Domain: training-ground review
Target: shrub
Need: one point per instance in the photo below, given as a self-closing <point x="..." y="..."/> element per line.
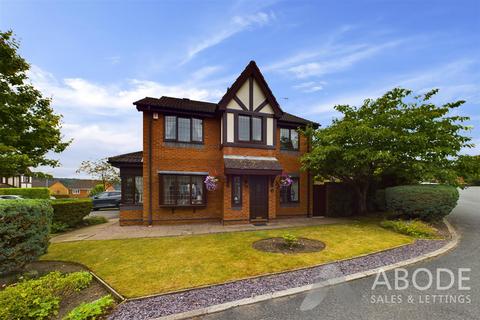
<point x="290" y="240"/>
<point x="70" y="211"/>
<point x="92" y="310"/>
<point x="379" y="200"/>
<point x="414" y="228"/>
<point x="96" y="190"/>
<point x="24" y="232"/>
<point x="40" y="298"/>
<point x="58" y="227"/>
<point x="90" y="221"/>
<point x="425" y="202"/>
<point x="27" y="193"/>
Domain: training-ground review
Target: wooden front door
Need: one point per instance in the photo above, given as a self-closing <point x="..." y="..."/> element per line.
<point x="258" y="197"/>
<point x="319" y="200"/>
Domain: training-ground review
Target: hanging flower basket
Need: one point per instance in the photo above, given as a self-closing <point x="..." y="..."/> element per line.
<point x="211" y="183"/>
<point x="285" y="180"/>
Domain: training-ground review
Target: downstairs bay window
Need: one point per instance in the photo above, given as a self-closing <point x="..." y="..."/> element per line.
<point x="132" y="190"/>
<point x="182" y="190"/>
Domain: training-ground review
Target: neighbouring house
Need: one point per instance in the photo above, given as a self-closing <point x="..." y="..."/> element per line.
<point x="18" y="181"/>
<point x="66" y="187"/>
<point x="245" y="140"/>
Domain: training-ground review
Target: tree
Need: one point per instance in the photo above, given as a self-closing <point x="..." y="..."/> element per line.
<point x="101" y="170"/>
<point x="29" y="128"/>
<point x="99" y="188"/>
<point x="398" y="134"/>
<point x="468" y="168"/>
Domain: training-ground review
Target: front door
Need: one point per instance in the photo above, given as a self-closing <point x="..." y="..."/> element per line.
<point x="258" y="197"/>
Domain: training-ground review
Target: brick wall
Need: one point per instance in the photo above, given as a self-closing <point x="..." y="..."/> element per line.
<point x="209" y="157"/>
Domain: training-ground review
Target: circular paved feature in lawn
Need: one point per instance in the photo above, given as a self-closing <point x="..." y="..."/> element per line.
<point x="278" y="245"/>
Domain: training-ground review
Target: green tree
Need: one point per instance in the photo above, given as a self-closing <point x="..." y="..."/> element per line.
<point x="101" y="170"/>
<point x="468" y="168"/>
<point x="29" y="128"/>
<point x="99" y="188"/>
<point x="400" y="134"/>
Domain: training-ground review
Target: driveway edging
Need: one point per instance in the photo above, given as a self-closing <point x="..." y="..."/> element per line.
<point x="455" y="237"/>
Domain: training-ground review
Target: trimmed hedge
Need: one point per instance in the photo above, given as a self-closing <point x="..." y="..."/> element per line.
<point x="27" y="193"/>
<point x="24" y="232"/>
<point x="70" y="211"/>
<point x="425" y="202"/>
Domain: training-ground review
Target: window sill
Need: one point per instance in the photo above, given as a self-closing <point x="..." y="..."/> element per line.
<point x="183" y="206"/>
<point x="174" y="144"/>
<point x="291" y="151"/>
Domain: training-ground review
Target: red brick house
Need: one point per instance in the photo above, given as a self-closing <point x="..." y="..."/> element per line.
<point x="245" y="140"/>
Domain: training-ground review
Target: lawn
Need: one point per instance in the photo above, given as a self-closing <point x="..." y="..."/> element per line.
<point x="138" y="267"/>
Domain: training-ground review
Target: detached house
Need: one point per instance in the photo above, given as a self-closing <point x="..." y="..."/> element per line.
<point x="246" y="141"/>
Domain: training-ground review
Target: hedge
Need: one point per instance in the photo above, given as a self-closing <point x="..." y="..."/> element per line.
<point x="70" y="211"/>
<point x="27" y="193"/>
<point x="425" y="202"/>
<point x="24" y="232"/>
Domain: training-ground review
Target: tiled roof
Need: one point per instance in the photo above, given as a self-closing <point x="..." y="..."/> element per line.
<point x="234" y="163"/>
<point x="287" y="117"/>
<point x="70" y="183"/>
<point x="132" y="157"/>
<point x="183" y="104"/>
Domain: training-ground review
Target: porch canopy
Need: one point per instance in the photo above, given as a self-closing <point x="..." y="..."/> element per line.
<point x="248" y="165"/>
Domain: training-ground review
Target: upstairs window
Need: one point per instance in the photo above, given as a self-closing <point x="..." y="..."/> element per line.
<point x="291" y="193"/>
<point x="183" y="129"/>
<point x="288" y="139"/>
<point x="250" y="129"/>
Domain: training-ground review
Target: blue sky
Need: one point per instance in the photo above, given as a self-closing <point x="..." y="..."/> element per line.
<point x="94" y="58"/>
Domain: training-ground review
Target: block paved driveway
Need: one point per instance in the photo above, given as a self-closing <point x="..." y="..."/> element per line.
<point x="353" y="300"/>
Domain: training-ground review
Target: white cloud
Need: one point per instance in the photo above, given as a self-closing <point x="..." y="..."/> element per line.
<point x="236" y="25"/>
<point x="310" y="86"/>
<point x="340" y="62"/>
<point x="113" y="59"/>
<point x="97" y="98"/>
<point x="454" y="80"/>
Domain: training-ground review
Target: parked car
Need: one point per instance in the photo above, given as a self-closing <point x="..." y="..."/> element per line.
<point x="10" y="197"/>
<point x="107" y="199"/>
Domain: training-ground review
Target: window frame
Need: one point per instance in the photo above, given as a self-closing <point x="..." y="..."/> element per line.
<point x="176" y="195"/>
<point x="250" y="139"/>
<point x="232" y="185"/>
<point x="176" y="129"/>
<point x="124" y="192"/>
<point x="289" y="193"/>
<point x="76" y="191"/>
<point x="290" y="139"/>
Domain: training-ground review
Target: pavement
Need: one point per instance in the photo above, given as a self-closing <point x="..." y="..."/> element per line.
<point x="113" y="230"/>
<point x="360" y="300"/>
<point x="109" y="214"/>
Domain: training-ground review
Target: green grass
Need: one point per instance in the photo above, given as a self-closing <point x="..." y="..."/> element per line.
<point x="414" y="228"/>
<point x="137" y="267"/>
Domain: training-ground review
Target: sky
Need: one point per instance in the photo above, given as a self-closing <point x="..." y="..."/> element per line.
<point x="95" y="58"/>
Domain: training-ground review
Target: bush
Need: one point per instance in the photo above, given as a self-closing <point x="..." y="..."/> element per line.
<point x="58" y="227"/>
<point x="290" y="240"/>
<point x="414" y="228"/>
<point x="96" y="190"/>
<point x="24" y="232"/>
<point x="92" y="310"/>
<point x="27" y="193"/>
<point x="40" y="298"/>
<point x="70" y="211"/>
<point x="91" y="221"/>
<point x="425" y="202"/>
